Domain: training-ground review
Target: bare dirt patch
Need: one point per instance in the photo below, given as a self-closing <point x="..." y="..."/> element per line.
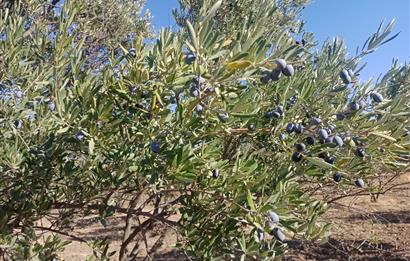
<point x="362" y="230"/>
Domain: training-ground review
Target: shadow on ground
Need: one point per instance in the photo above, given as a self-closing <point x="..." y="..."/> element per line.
<point x="345" y="250"/>
<point x="395" y="217"/>
<point x="332" y="250"/>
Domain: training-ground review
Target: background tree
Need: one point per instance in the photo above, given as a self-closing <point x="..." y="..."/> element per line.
<point x="102" y="25"/>
<point x="244" y="136"/>
<point x="233" y="16"/>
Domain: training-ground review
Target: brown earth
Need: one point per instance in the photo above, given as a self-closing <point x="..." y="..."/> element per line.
<point x="363" y="229"/>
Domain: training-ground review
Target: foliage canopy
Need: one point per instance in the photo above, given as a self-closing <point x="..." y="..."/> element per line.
<point x="95" y="119"/>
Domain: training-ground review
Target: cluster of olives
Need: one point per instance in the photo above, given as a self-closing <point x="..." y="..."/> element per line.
<point x="48" y="100"/>
<point x="355" y="106"/>
<point x="323" y="135"/>
<point x="337" y="176"/>
<point x="132" y="89"/>
<point x="291" y="101"/>
<point x="347" y="75"/>
<point x="196" y="86"/>
<point x="302" y="42"/>
<point x="144" y="105"/>
<point x="281" y="68"/>
<point x="294" y="127"/>
<point x="276" y="113"/>
<point x="273" y="221"/>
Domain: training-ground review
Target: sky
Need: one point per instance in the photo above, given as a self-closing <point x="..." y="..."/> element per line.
<point x="352" y="20"/>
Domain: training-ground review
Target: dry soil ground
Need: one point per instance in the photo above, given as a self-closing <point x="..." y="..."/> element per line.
<point x="365" y="230"/>
<point x="362" y="230"/>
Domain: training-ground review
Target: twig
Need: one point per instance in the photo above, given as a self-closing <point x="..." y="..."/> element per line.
<point x="144" y="237"/>
<point x="58" y="232"/>
<point x="127" y="228"/>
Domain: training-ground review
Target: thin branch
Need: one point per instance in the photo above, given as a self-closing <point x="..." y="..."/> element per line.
<point x="127" y="227"/>
<point x="360" y="193"/>
<point x="144" y="236"/>
<point x="58" y="232"/>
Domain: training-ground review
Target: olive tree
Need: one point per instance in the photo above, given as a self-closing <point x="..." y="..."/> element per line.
<point x="238" y="141"/>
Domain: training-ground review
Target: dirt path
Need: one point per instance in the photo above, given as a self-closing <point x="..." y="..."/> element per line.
<point x="362" y="230"/>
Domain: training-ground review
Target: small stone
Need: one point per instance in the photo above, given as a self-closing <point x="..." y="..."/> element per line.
<point x="199" y="80"/>
<point x="291" y="102"/>
<point x="199" y="109"/>
<point x="277" y="233"/>
<point x="132" y="89"/>
<point x="243" y="83"/>
<point x="330" y="160"/>
<point x="273" y="217"/>
<point x="359" y="183"/>
<point x="272" y="114"/>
